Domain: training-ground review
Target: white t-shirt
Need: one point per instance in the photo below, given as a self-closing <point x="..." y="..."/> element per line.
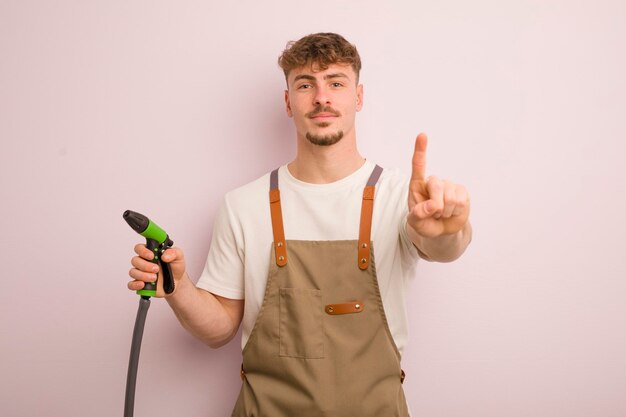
<point x="239" y="258"/>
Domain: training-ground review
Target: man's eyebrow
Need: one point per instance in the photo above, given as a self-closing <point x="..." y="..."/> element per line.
<point x="335" y="75"/>
<point x="326" y="77"/>
<point x="304" y="77"/>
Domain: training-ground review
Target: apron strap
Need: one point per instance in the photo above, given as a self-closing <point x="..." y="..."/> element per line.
<point x="365" y="228"/>
<point x="280" y="248"/>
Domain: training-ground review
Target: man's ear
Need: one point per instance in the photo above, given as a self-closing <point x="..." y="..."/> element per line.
<point x="288" y="104"/>
<point x="359" y="97"/>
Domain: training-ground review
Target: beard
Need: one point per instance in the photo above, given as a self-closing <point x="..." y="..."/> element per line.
<point x="325" y="140"/>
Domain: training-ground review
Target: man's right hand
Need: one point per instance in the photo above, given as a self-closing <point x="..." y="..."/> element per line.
<point x="145" y="271"/>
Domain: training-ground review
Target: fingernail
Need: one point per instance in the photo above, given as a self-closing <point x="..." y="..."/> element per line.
<point x="155" y="268"/>
<point x="426" y="208"/>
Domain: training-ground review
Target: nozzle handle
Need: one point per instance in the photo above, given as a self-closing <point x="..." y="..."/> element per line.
<point x="150" y="288"/>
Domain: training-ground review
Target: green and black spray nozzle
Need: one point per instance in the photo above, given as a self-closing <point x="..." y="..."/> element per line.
<point x="157" y="241"/>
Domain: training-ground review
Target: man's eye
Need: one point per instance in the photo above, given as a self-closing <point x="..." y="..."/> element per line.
<point x="305" y="87"/>
<point x="337" y="84"/>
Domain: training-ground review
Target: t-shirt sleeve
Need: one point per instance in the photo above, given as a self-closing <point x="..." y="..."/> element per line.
<point x="409" y="252"/>
<point x="223" y="272"/>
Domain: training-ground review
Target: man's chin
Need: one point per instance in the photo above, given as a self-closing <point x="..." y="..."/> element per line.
<point x="324" y="140"/>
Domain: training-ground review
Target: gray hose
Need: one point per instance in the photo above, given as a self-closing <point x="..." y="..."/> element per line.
<point x="135" y="348"/>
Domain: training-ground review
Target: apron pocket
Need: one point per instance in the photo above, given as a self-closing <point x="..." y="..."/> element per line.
<point x="301" y="323"/>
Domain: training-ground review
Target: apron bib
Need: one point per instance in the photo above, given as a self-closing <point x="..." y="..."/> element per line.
<point x="321" y="345"/>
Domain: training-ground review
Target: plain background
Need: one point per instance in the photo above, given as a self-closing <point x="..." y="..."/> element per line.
<point x="161" y="107"/>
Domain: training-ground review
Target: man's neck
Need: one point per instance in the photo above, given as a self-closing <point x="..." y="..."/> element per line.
<point x="325" y="164"/>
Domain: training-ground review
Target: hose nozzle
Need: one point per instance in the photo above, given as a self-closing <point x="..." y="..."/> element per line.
<point x="157" y="241"/>
<point x="144" y="226"/>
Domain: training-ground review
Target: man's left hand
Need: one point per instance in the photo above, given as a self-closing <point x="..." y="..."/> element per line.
<point x="436" y="207"/>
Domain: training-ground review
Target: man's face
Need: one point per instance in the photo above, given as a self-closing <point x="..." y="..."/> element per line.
<point x="323" y="104"/>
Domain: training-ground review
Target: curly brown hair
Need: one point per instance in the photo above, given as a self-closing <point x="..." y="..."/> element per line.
<point x="321" y="50"/>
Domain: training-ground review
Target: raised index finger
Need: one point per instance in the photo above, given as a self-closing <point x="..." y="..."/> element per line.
<point x="418" y="172"/>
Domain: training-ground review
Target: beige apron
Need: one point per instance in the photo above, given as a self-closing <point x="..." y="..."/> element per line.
<point x="321" y="346"/>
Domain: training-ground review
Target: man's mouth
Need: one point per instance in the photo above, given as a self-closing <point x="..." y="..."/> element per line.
<point x="323" y="114"/>
<point x="323" y="117"/>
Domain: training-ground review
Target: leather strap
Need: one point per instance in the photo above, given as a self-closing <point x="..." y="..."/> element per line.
<point x="365" y="228"/>
<point x="280" y="246"/>
<point x="344" y="308"/>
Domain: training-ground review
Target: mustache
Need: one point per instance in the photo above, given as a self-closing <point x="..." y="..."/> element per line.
<point x="320" y="109"/>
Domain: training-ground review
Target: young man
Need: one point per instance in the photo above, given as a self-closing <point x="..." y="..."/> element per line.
<point x="319" y="252"/>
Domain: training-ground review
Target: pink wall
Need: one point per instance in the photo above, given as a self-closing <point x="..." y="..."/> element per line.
<point x="161" y="107"/>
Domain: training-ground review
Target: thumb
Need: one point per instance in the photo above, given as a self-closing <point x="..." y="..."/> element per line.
<point x="176" y="260"/>
<point x="173" y="255"/>
<point x="423" y="210"/>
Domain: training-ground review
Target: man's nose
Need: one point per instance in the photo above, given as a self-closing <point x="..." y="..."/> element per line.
<point x="321" y="96"/>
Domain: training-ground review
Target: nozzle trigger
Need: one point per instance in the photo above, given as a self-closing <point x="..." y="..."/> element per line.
<point x="168" y="280"/>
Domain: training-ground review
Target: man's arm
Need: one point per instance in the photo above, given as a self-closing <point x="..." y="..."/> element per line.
<point x="438" y="218"/>
<point x="211" y="318"/>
